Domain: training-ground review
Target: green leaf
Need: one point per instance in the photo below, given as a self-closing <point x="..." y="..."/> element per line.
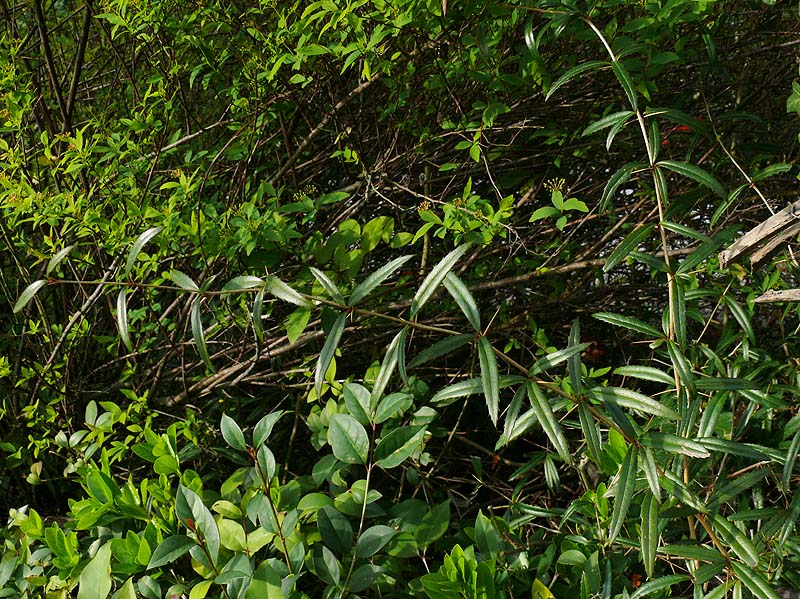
<point x="490" y="377"/>
<point x="263" y="428"/>
<point x="282" y="291"/>
<point x="363" y="577"/>
<point x="335" y="529"/>
<point x="736" y="540"/>
<point x="695" y="173"/>
<point x="296" y="323"/>
<point x="648" y="536"/>
<point x="27" y="295"/>
<point x="189" y="505"/>
<point x="756" y="583"/>
<point x="627" y="245"/>
<point x="328" y="285"/>
<point x="243" y="283"/>
<point x="674" y="444"/>
<point x="137" y="246"/>
<point x="373" y="540"/>
<point x="57" y="258"/>
<point x="633" y="400"/>
<point x="258" y="308"/>
<point x="619" y="178"/>
<point x="592" y="65"/>
<point x="725" y="384"/>
<point x="626" y="485"/>
<point x="435" y="278"/>
<point x="626" y="82"/>
<point x="791" y="458"/>
<point x="348" y="439"/>
<point x="555" y="358"/>
<point x="574" y="360"/>
<point x="659" y="584"/>
<point x="372" y="281"/>
<point x="440" y="348"/>
<point x="741" y="317"/>
<point x="199" y="336"/>
<point x="646" y="373"/>
<point x="232" y="433"/>
<point x="648" y="464"/>
<point x="390" y="361"/>
<point x="328" y="351"/>
<point x="398" y="445"/>
<point x="464" y="300"/>
<point x="678" y="490"/>
<point x="122" y="319"/>
<point x="182" y="280"/>
<point x="95" y="578"/>
<point x="169" y="550"/>
<point x="550" y="425"/>
<point x="357" y="400"/>
<point x="609" y="120"/>
<point x="392" y="405"/>
<point x="590" y="433"/>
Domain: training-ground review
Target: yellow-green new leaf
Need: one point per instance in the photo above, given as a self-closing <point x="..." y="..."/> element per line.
<point x="490" y="378"/>
<point x="95" y="579"/>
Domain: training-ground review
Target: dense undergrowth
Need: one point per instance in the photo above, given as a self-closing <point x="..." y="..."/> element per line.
<point x="409" y="299"/>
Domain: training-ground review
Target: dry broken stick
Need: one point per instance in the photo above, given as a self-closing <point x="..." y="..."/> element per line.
<point x="761" y="241"/>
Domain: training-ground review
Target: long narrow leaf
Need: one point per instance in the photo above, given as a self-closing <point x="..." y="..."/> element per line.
<point x="626" y="82"/>
<point x="791" y="458"/>
<point x="490" y="377"/>
<point x="440" y="348"/>
<point x="616" y="180"/>
<point x="366" y="286"/>
<point x="649" y="532"/>
<point x="282" y="291"/>
<point x="435" y="278"/>
<point x="608" y="121"/>
<point x="674" y="444"/>
<point x="629" y="323"/>
<point x="626" y="246"/>
<point x="122" y="318"/>
<point x="646" y="373"/>
<point x="626" y="486"/>
<point x="574" y="361"/>
<point x="328" y="351"/>
<point x="756" y="583"/>
<point x="56" y="260"/>
<point x="738" y="542"/>
<point x="388" y="365"/>
<point x="556" y="358"/>
<point x="592" y="65"/>
<point x="329" y="286"/>
<point x="199" y="336"/>
<point x="648" y="463"/>
<point x="27" y="295"/>
<point x="633" y="400"/>
<point x="182" y="280"/>
<point x="550" y="425"/>
<point x="137" y="246"/>
<point x="258" y="308"/>
<point x="464" y="299"/>
<point x="695" y="173"/>
<point x="590" y="433"/>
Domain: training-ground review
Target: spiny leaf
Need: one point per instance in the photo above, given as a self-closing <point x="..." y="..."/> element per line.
<point x="243" y="283"/>
<point x="329" y="286"/>
<point x="695" y="173"/>
<point x="550" y="425"/>
<point x="626" y="485"/>
<point x="592" y="65"/>
<point x="182" y="280"/>
<point x="281" y="290"/>
<point x="435" y="278"/>
<point x="375" y="279"/>
<point x="464" y="299"/>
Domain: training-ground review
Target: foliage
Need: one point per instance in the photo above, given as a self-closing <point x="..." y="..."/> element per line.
<point x="409" y="299"/>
